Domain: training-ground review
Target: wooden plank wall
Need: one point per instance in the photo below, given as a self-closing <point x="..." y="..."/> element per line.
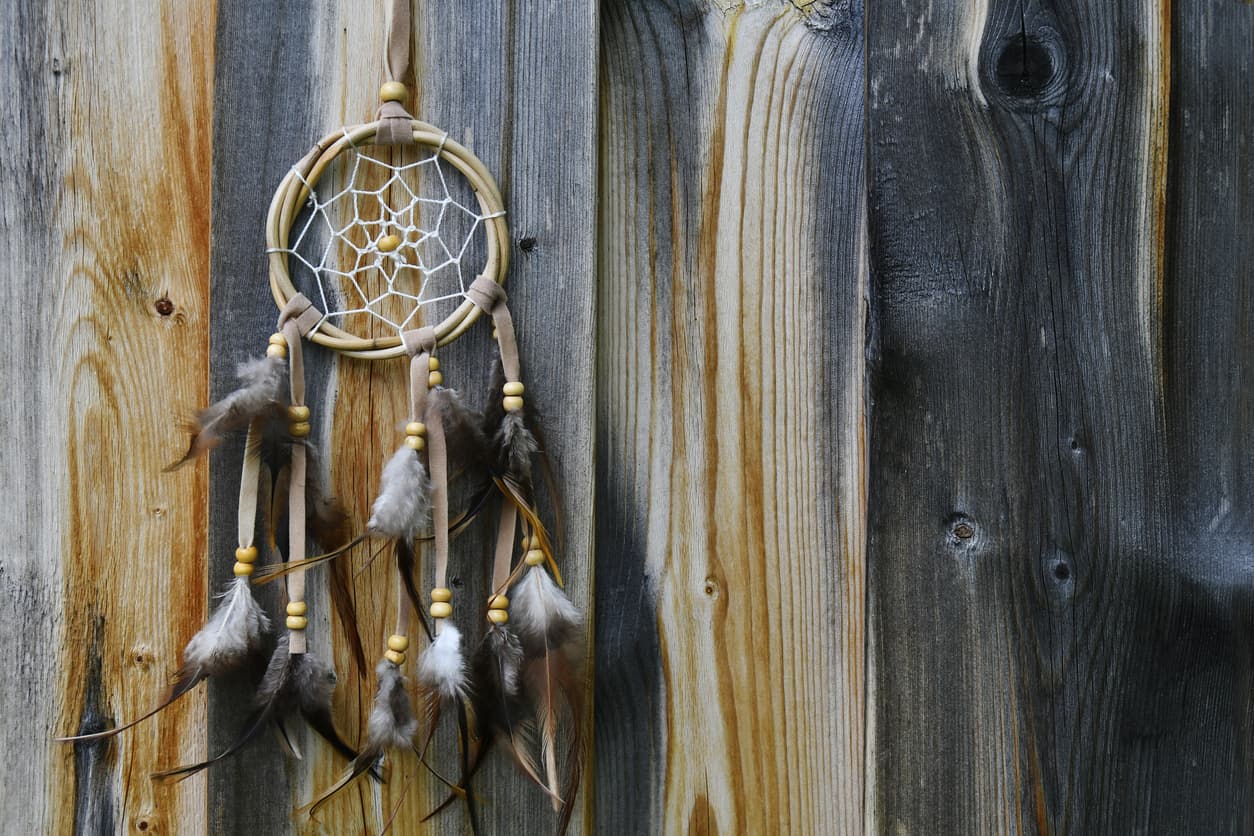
<point x="1059" y="507"/>
<point x="908" y="348"/>
<point x="104" y="189"/>
<point x="729" y="440"/>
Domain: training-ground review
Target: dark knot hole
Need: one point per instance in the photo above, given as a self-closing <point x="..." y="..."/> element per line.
<point x="1025" y="67"/>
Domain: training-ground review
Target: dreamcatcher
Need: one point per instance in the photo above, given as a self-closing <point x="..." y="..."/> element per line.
<point x="369" y="220"/>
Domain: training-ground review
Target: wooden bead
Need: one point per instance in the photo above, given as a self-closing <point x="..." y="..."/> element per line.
<point x="441" y="610"/>
<point x="300" y="429"/>
<point x="513" y="403"/>
<point x="415" y="442"/>
<point x="392" y="91"/>
<point x="415" y="428"/>
<point x="243" y="570"/>
<point x="498" y="602"/>
<point x="276" y="351"/>
<point x="296" y="622"/>
<point x="246" y="554"/>
<point x="524" y="543"/>
<point x="441" y="593"/>
<point x="297" y="608"/>
<point x="278" y="339"/>
<point x="434" y="379"/>
<point x="534" y="557"/>
<point x="498" y="616"/>
<point x="495" y="336"/>
<point x="398" y="643"/>
<point x="513" y="388"/>
<point x="388" y="243"/>
<point x="395" y="657"/>
<point x="433" y="364"/>
<point x="298" y="413"/>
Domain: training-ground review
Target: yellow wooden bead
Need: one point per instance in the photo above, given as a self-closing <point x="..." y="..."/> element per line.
<point x="278" y="339"/>
<point x="524" y="543"/>
<point x="298" y="413"/>
<point x="441" y="610"/>
<point x="297" y="608"/>
<point x="495" y="336"/>
<point x="433" y="364"/>
<point x="415" y="428"/>
<point x="534" y="557"/>
<point x="513" y="388"/>
<point x="276" y="351"/>
<point x="388" y="243"/>
<point x="398" y="643"/>
<point x="442" y="593"/>
<point x="498" y="602"/>
<point x="434" y="379"/>
<point x="395" y="657"/>
<point x="513" y="403"/>
<point x="297" y="622"/>
<point x="415" y="442"/>
<point x="243" y="570"/>
<point x="392" y="91"/>
<point x="299" y="430"/>
<point x="498" y="616"/>
<point x="246" y="554"/>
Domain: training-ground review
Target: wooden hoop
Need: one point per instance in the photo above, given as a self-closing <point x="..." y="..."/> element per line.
<point x="294" y="190"/>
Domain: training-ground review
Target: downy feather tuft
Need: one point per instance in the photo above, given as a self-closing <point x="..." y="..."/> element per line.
<point x="261" y="389"/>
<point x="441" y="667"/>
<point x="404" y="496"/>
<point x="542" y="614"/>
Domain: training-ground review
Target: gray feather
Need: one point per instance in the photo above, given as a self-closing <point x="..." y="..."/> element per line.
<point x="392" y="721"/>
<point x="404" y="496"/>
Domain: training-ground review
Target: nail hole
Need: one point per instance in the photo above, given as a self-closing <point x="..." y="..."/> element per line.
<point x="1062" y="571"/>
<point x="711" y="587"/>
<point x="1075" y="445"/>
<point x="527" y="244"/>
<point x="1025" y="67"/>
<point x="142" y="824"/>
<point x="164" y="306"/>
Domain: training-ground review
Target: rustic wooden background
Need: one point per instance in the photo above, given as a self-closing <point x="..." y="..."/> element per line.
<point x="899" y="357"/>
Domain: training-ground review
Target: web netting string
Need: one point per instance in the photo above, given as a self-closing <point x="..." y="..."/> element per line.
<point x="379" y="245"/>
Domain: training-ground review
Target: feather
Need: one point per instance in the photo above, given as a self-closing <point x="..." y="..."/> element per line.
<point x="544" y="617"/>
<point x="261" y="390"/>
<point x="292" y="684"/>
<point x="500" y="707"/>
<point x="329" y="525"/>
<point x="392" y="724"/>
<point x="548" y="627"/>
<point x="233" y="636"/>
<point x="405" y="566"/>
<point x="441" y="667"/>
<point x="404" y="496"/>
<point x="468" y="447"/>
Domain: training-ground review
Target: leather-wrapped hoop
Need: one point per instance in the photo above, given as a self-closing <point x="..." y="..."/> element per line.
<point x="294" y="190"/>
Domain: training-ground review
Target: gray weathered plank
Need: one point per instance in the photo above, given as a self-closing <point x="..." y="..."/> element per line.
<point x="1053" y="650"/>
<point x="729" y="513"/>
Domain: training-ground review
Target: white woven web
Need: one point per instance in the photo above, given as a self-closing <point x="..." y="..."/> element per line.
<point x="338" y="254"/>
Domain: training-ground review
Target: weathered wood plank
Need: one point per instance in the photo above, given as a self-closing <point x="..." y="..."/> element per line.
<point x="1046" y="657"/>
<point x="505" y="81"/>
<point x="729" y="514"/>
<point x="104" y="190"/>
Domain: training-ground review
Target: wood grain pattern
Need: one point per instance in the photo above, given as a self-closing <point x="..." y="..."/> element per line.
<point x="730" y="561"/>
<point x="1055" y="644"/>
<point x="104" y="216"/>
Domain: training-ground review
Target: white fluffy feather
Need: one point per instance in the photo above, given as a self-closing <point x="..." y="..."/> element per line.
<point x="541" y="611"/>
<point x="404" y="496"/>
<point x="441" y="666"/>
<point x="234" y="631"/>
<point x="392" y="721"/>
